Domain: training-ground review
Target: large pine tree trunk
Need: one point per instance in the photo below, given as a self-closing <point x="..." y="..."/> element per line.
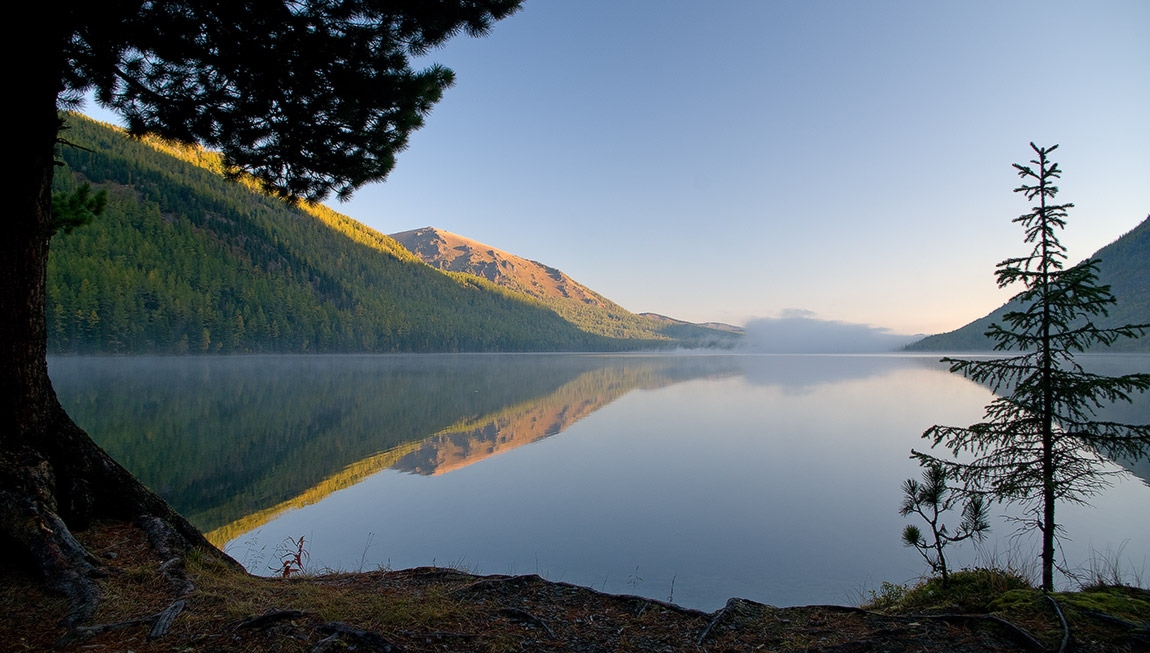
<point x="53" y="478"/>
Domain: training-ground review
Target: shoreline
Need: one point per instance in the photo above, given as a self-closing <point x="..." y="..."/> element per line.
<point x="438" y="609"/>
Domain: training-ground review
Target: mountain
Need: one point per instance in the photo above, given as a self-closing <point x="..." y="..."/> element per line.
<point x="570" y="299"/>
<point x="184" y="261"/>
<point x="1124" y="265"/>
<point x="718" y="326"/>
<point x="454" y="253"/>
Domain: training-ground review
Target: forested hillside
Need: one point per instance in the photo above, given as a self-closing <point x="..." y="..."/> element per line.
<point x="182" y="261"/>
<point x="1125" y="266"/>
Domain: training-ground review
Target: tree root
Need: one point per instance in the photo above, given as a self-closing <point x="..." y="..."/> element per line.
<point x="28" y="519"/>
<point x="65" y="565"/>
<point x="732" y="605"/>
<point x="161" y="622"/>
<point x="1111" y="620"/>
<point x="1065" y="626"/>
<point x="1018" y="633"/>
<point x="163" y="538"/>
<point x="341" y="634"/>
<point x="60" y="481"/>
<point x="269" y="618"/>
<point x="496" y="582"/>
<point x="171" y="548"/>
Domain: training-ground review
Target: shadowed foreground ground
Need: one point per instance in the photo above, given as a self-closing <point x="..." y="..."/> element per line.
<point x="201" y="606"/>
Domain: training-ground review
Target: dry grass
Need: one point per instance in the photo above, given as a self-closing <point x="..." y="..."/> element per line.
<point x="450" y="610"/>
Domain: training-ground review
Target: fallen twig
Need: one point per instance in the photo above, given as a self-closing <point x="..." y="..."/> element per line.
<point x="270" y="617"/>
<point x="516" y="613"/>
<point x="437" y="634"/>
<point x="165" y="618"/>
<point x="339" y="630"/>
<point x="161" y="621"/>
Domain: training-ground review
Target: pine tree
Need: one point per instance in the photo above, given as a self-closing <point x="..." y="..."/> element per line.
<point x="309" y="98"/>
<point x="929" y="499"/>
<point x="1040" y="442"/>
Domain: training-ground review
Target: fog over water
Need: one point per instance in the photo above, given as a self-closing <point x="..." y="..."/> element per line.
<point x="798" y="331"/>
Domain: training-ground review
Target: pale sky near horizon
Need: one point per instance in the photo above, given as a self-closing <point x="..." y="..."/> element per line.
<point x="734" y="159"/>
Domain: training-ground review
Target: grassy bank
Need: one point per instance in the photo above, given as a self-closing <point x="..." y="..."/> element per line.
<point x="436" y="609"/>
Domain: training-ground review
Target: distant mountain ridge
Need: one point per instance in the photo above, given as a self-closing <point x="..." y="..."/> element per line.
<point x="454" y="253"/>
<point x="1124" y="265"/>
<point x="575" y="302"/>
<point x="718" y="326"/>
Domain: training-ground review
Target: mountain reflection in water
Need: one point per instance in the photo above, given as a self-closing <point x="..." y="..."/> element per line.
<point x="767" y="477"/>
<point x="232" y="441"/>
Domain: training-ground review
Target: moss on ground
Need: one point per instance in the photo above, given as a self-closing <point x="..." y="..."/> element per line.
<point x="1105" y="617"/>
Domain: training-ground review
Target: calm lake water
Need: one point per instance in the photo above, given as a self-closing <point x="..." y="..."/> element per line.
<point x="696" y="477"/>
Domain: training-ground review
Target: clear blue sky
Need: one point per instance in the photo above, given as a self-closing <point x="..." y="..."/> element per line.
<point x="731" y="159"/>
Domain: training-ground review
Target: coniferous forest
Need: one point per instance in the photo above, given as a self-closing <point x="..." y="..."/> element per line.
<point x="184" y="261"/>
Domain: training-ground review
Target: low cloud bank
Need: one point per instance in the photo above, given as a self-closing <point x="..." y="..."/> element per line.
<point x="798" y="331"/>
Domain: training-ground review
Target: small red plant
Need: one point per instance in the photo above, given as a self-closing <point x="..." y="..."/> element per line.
<point x="292" y="557"/>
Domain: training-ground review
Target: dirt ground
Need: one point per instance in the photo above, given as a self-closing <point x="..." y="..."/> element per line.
<point x="436" y="609"/>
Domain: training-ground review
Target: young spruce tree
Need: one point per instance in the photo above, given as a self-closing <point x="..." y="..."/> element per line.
<point x="1040" y="442"/>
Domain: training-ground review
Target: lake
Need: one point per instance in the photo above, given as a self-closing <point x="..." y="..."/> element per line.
<point x="695" y="477"/>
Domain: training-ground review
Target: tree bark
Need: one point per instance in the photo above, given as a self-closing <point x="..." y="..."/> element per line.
<point x="1047" y="398"/>
<point x="53" y="478"/>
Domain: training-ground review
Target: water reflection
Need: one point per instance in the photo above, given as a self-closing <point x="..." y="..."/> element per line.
<point x="801" y="374"/>
<point x="231" y="442"/>
<point x="769" y="477"/>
